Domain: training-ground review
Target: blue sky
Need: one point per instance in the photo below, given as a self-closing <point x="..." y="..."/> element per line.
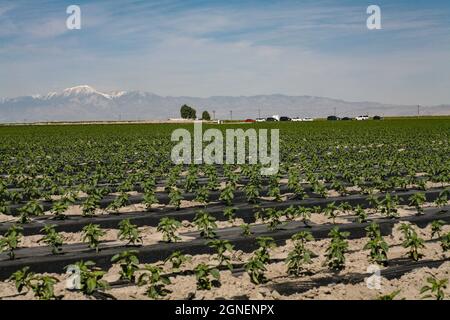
<point x="205" y="48"/>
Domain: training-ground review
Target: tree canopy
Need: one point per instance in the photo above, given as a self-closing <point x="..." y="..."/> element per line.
<point x="206" y="116"/>
<point x="188" y="112"/>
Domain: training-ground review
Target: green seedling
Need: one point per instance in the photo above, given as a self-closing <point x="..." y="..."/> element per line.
<point x="129" y="232"/>
<point x="52" y="238"/>
<point x="129" y="264"/>
<point x="206" y="224"/>
<point x="92" y="234"/>
<point x="10" y="241"/>
<point x="168" y="227"/>
<point x="335" y="253"/>
<point x="222" y="247"/>
<point x="300" y="255"/>
<point x="153" y="276"/>
<point x="205" y="276"/>
<point x="435" y="288"/>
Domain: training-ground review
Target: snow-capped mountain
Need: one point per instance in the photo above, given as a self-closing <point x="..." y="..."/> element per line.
<point x="84" y="103"/>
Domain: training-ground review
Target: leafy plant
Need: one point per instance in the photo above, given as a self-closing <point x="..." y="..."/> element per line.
<point x="175" y="198"/>
<point x="273" y="217"/>
<point x="168" y="227"/>
<point x="265" y="243"/>
<point x="255" y="267"/>
<point x="129" y="232"/>
<point x="61" y="206"/>
<point x="11" y="240"/>
<point x="149" y="199"/>
<point x="361" y="214"/>
<point x="335" y="253"/>
<point x="227" y="194"/>
<point x="274" y="192"/>
<point x="52" y="238"/>
<point x="43" y="287"/>
<point x="251" y="193"/>
<point x="177" y="258"/>
<point x="436" y="228"/>
<point x="222" y="247"/>
<point x="31" y="208"/>
<point x="121" y="201"/>
<point x="203" y="274"/>
<point x="129" y="264"/>
<point x="377" y="246"/>
<point x="331" y="211"/>
<point x="374" y="202"/>
<point x="412" y="241"/>
<point x="389" y="206"/>
<point x="22" y="279"/>
<point x="206" y="224"/>
<point x="435" y="287"/>
<point x="229" y="213"/>
<point x="91" y="204"/>
<point x="305" y="214"/>
<point x="91" y="235"/>
<point x="90" y="277"/>
<point x="156" y="280"/>
<point x="389" y="296"/>
<point x="191" y="180"/>
<point x="442" y="199"/>
<point x="445" y="242"/>
<point x="417" y="200"/>
<point x="246" y="229"/>
<point x="300" y="255"/>
<point x="202" y="195"/>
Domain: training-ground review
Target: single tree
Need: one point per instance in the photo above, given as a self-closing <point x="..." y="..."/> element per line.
<point x="206" y="116"/>
<point x="188" y="112"/>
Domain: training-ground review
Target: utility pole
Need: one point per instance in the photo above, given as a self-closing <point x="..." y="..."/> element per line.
<point x="231" y="114"/>
<point x="418" y="111"/>
<point x="259" y="113"/>
<point x="335" y="111"/>
<point x="214" y="114"/>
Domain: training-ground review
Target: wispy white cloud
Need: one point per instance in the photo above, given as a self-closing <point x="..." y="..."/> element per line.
<point x="171" y="48"/>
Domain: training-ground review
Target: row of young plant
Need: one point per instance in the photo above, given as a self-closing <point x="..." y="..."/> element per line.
<point x="156" y="277"/>
<point x="251" y="190"/>
<point x="205" y="222"/>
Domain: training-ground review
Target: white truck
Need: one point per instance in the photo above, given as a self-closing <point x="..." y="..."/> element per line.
<point x="362" y="118"/>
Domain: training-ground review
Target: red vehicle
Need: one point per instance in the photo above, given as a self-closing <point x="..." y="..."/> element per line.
<point x="250" y="120"/>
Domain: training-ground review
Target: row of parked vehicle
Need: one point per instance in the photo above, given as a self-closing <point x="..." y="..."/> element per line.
<point x="358" y="118"/>
<point x="298" y="119"/>
<point x="282" y="118"/>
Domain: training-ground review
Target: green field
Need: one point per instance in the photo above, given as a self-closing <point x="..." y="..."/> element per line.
<point x="348" y="195"/>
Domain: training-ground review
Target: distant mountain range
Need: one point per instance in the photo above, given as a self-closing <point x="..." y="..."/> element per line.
<point x="84" y="103"/>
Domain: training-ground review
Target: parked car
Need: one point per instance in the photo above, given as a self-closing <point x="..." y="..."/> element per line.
<point x="270" y="119"/>
<point x="297" y="119"/>
<point x="377" y="118"/>
<point x="361" y="118"/>
<point x="285" y="119"/>
<point x="332" y="118"/>
<point x="346" y="118"/>
<point x="250" y="120"/>
<point x="260" y="119"/>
